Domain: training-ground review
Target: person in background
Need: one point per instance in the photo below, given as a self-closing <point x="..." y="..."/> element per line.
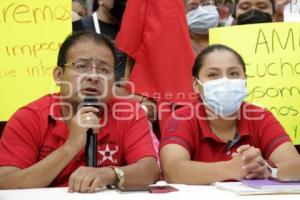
<point x="279" y="7"/>
<point x="78" y="6"/>
<point x="201" y="15"/>
<point x="75" y="16"/>
<point x="254" y="11"/>
<point x="106" y="21"/>
<point x="225" y="9"/>
<point x="43" y="143"/>
<point x="222" y="137"/>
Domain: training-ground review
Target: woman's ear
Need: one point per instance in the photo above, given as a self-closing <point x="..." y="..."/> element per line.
<point x="58" y="75"/>
<point x="196" y="86"/>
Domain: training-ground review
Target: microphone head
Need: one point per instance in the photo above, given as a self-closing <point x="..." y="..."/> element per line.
<point x="91" y="101"/>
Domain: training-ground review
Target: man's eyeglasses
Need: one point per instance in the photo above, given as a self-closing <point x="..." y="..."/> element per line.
<point x="83" y="66"/>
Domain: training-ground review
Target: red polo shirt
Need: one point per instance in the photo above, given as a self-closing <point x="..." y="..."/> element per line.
<point x="36" y="130"/>
<point x="189" y="128"/>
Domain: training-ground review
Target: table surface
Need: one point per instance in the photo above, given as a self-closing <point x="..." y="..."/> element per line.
<point x="185" y="191"/>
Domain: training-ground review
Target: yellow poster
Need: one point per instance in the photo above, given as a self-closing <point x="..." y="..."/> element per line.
<point x="31" y="32"/>
<point x="272" y="56"/>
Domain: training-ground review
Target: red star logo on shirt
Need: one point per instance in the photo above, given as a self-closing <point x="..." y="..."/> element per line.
<point x="107" y="154"/>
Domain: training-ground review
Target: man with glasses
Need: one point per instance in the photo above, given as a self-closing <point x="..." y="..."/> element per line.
<point x="43" y="143"/>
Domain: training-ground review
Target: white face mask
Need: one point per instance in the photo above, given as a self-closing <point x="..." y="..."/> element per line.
<point x="226" y="22"/>
<point x="203" y="18"/>
<point x="224" y="96"/>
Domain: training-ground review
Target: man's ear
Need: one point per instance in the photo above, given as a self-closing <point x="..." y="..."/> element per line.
<point x="58" y="75"/>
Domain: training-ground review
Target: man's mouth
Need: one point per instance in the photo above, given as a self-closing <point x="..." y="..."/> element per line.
<point x="90" y="91"/>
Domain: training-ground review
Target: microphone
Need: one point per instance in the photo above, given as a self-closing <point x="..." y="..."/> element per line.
<point x="91" y="145"/>
<point x="232" y="142"/>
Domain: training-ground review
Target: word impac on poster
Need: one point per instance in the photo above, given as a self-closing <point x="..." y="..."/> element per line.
<point x="272" y="56"/>
<point x="31" y="32"/>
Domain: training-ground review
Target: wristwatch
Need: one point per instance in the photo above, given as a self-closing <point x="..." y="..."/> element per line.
<point x="272" y="170"/>
<point x="144" y="108"/>
<point x="120" y="177"/>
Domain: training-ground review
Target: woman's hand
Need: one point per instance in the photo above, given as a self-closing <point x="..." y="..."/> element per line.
<point x="236" y="167"/>
<point x="253" y="162"/>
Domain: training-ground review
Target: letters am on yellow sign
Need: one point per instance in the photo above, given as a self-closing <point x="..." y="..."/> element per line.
<point x="31" y="32"/>
<point x="272" y="56"/>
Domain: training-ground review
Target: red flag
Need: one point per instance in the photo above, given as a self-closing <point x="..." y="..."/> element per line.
<point x="155" y="33"/>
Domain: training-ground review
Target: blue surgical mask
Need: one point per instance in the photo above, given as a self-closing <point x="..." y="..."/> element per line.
<point x="224" y="96"/>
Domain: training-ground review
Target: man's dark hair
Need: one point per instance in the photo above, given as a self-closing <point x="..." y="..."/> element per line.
<point x="210" y="49"/>
<point x="95" y="6"/>
<point x="237" y="1"/>
<point x="84" y="36"/>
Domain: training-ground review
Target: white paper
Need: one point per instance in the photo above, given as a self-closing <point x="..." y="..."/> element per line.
<point x="241" y="189"/>
<point x="291" y="12"/>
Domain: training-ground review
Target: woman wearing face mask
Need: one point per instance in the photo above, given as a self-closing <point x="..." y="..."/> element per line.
<point x="254" y="11"/>
<point x="222" y="137"/>
<point x="201" y="15"/>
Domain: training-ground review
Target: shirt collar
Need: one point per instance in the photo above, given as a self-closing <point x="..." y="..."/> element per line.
<point x="60" y="128"/>
<point x="206" y="132"/>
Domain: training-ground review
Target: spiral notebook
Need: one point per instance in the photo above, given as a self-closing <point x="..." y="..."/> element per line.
<point x="242" y="188"/>
<point x="272" y="184"/>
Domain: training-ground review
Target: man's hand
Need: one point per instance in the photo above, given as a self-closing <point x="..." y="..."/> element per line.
<point x="88" y="179"/>
<point x="84" y="119"/>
